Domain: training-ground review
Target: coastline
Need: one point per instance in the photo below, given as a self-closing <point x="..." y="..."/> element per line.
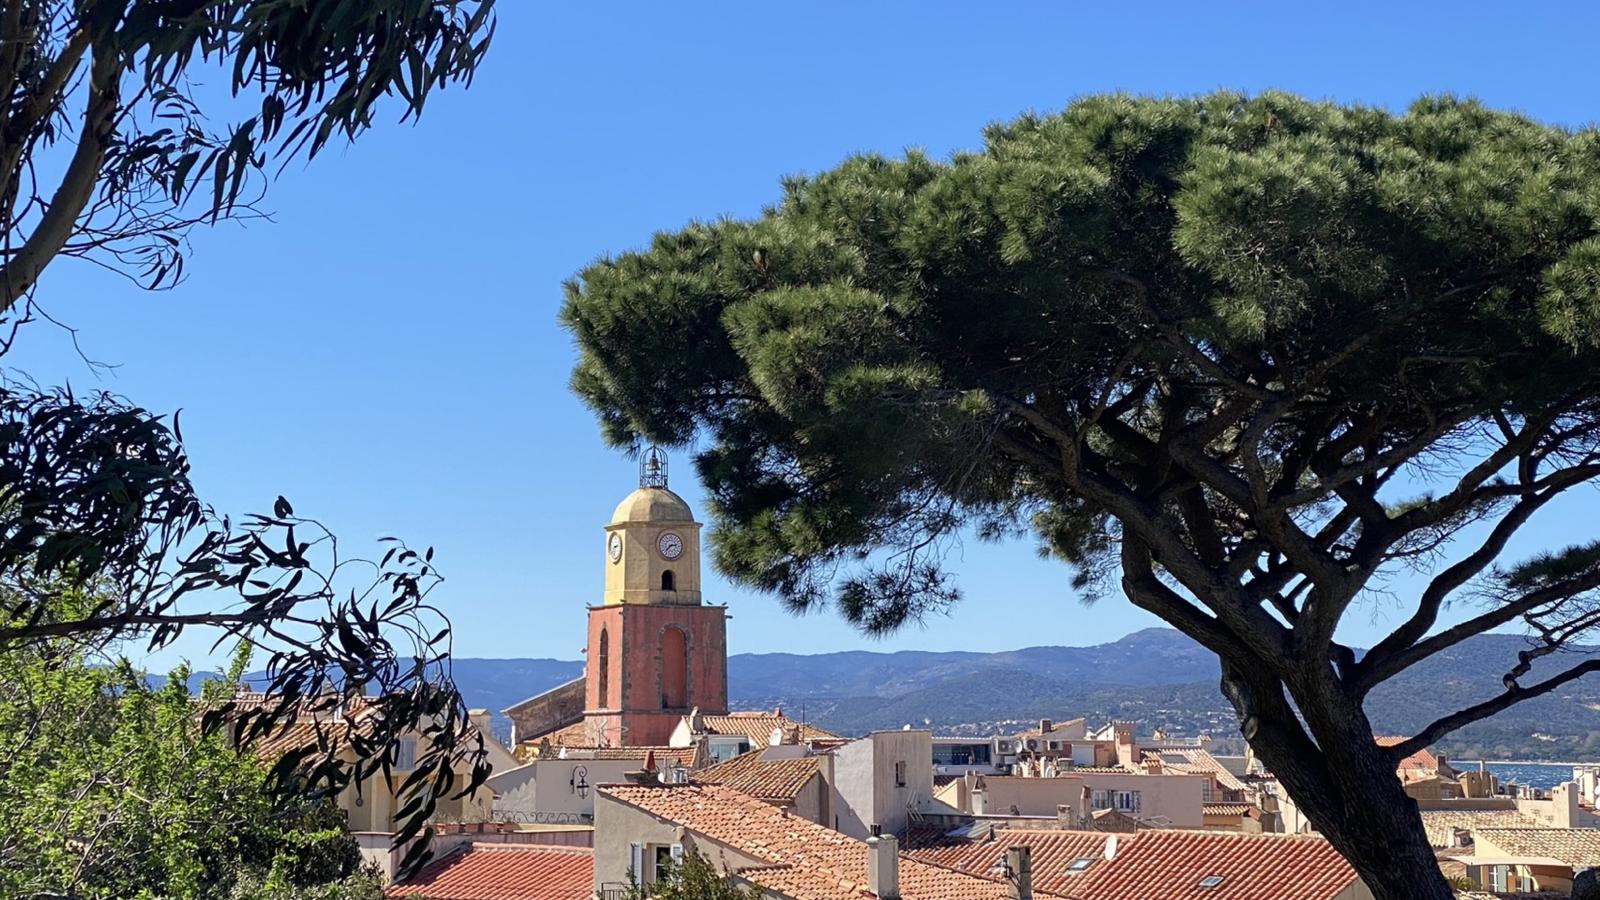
<point x="1522" y="762"/>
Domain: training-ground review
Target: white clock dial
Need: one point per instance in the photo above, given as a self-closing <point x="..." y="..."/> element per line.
<point x="614" y="546"/>
<point x="670" y="545"/>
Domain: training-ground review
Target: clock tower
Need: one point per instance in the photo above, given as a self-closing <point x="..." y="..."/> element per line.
<point x="655" y="652"/>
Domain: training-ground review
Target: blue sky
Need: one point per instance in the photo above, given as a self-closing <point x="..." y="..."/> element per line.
<point x="386" y="353"/>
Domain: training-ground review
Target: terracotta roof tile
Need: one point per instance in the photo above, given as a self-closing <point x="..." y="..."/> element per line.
<point x="802" y="860"/>
<point x="1197" y="762"/>
<point x="1422" y="762"/>
<point x="773" y="780"/>
<point x="758" y="727"/>
<point x="1577" y="847"/>
<point x="1157" y="864"/>
<point x="504" y="872"/>
<point x="1227" y="809"/>
<point x="1441" y="824"/>
<point x="1168" y="864"/>
<point x="1052" y="852"/>
<point x="575" y="734"/>
<point x="323" y="721"/>
<point x="677" y="756"/>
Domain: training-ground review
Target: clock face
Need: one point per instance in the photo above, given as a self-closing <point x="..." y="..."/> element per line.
<point x="670" y="545"/>
<point x="614" y="546"/>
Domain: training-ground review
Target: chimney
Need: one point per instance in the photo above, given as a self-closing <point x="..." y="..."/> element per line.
<point x="482" y="721"/>
<point x="979" y="801"/>
<point x="1066" y="817"/>
<point x="1564" y="800"/>
<point x="1045" y="726"/>
<point x="883" y="866"/>
<point x="1020" y="885"/>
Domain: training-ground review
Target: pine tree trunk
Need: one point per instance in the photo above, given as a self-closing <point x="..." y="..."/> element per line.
<point x="1350" y="791"/>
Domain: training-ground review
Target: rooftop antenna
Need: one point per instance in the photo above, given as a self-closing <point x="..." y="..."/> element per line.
<point x="653" y="468"/>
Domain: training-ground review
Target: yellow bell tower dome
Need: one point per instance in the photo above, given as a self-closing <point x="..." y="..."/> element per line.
<point x="653" y="543"/>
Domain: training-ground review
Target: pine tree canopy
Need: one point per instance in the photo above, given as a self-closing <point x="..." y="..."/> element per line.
<point x="1257" y="347"/>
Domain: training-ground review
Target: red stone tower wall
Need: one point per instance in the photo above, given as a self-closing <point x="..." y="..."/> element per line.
<point x="637" y="662"/>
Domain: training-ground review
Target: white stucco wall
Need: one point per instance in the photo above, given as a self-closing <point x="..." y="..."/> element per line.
<point x="865" y="792"/>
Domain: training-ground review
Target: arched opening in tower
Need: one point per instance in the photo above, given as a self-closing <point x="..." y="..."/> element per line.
<point x="605" y="669"/>
<point x="667" y="581"/>
<point x="674" y="668"/>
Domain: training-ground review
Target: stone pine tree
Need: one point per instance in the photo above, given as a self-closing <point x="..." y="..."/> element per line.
<point x="1256" y="361"/>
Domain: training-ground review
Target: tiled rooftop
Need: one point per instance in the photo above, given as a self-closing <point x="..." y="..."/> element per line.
<point x="322" y="721"/>
<point x="1159" y="864"/>
<point x="1198" y="762"/>
<point x="504" y="872"/>
<point x="1227" y="809"/>
<point x="802" y="859"/>
<point x="1052" y="852"/>
<point x="677" y="756"/>
<point x="575" y="734"/>
<point x="1170" y="865"/>
<point x="1578" y="847"/>
<point x="1441" y="824"/>
<point x="773" y="780"/>
<point x="758" y="726"/>
<point x="1420" y="764"/>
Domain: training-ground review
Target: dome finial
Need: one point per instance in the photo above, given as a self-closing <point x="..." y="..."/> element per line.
<point x="653" y="468"/>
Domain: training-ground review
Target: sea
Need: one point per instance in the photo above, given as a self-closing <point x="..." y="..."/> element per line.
<point x="1533" y="774"/>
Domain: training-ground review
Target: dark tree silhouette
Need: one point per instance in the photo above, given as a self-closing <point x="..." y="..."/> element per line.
<point x="110" y="152"/>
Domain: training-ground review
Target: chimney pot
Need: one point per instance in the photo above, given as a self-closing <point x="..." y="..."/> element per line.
<point x="883" y="866"/>
<point x="1045" y="725"/>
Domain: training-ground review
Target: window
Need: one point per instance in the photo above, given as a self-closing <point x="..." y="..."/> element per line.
<point x="1080" y="865"/>
<point x="1525" y="882"/>
<point x="900" y="774"/>
<point x="666" y="858"/>
<point x="1211" y="881"/>
<point x="405" y="757"/>
<point x="1497" y="879"/>
<point x="961" y="754"/>
<point x="1205" y="792"/>
<point x="674" y="668"/>
<point x="605" y="669"/>
<point x="1128" y="801"/>
<point x="667" y="583"/>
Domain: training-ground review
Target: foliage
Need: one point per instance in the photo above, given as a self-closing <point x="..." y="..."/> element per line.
<point x="99" y="503"/>
<point x="696" y="878"/>
<point x="110" y="152"/>
<point x="1251" y="357"/>
<point x="105" y="96"/>
<point x="109" y="788"/>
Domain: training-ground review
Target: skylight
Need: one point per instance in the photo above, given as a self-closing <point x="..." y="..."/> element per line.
<point x="1211" y="881"/>
<point x="1079" y="865"/>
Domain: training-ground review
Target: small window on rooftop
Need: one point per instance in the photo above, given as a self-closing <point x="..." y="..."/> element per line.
<point x="1080" y="865"/>
<point x="1211" y="881"/>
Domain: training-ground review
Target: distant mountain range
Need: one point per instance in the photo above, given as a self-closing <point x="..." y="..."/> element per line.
<point x="1156" y="677"/>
